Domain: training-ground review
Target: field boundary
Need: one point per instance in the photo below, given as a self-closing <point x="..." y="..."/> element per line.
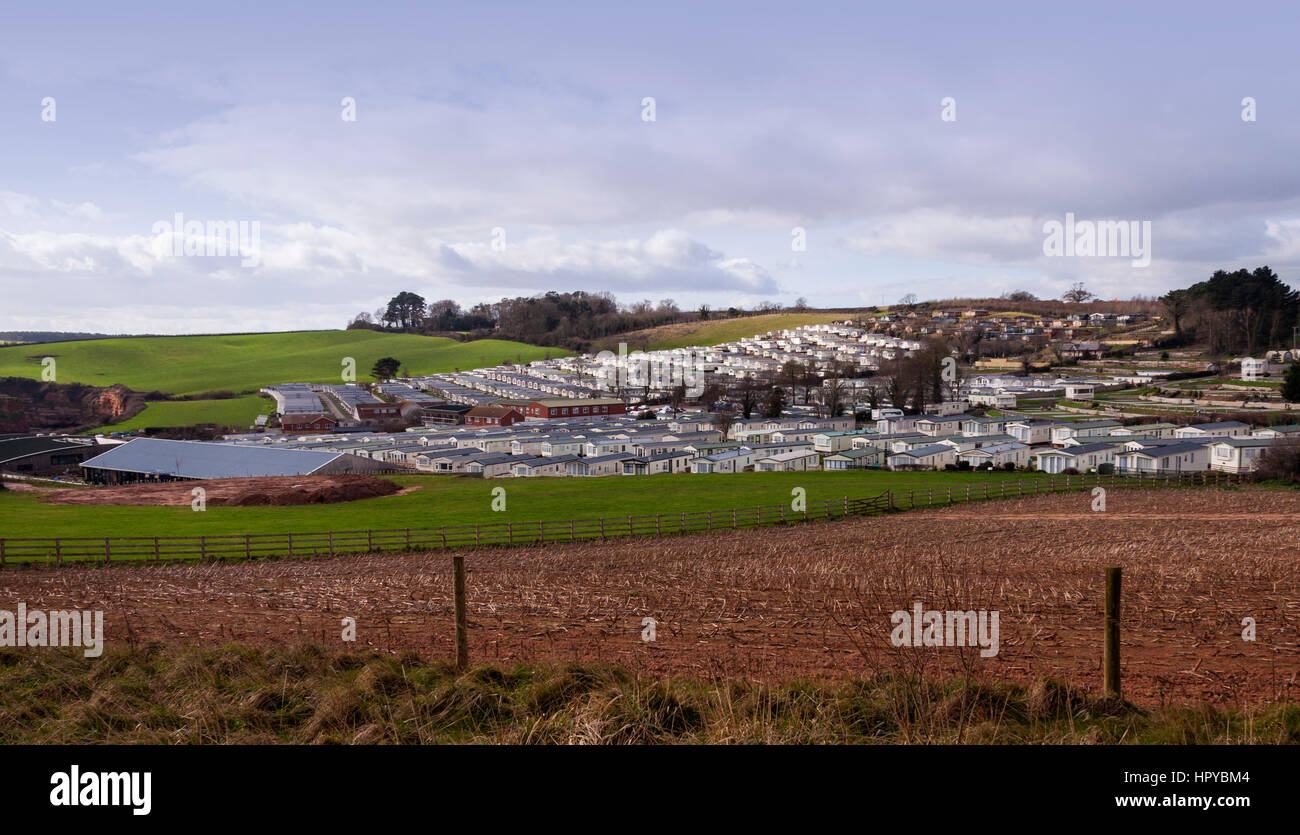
<point x="25" y="552"/>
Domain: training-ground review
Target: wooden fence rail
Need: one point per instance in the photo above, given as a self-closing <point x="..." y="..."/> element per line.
<point x="238" y="547"/>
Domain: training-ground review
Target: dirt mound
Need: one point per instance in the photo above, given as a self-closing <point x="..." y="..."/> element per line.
<point x="235" y="492"/>
<point x="31" y="405"/>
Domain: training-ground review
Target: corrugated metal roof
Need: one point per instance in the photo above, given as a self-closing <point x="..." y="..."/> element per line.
<point x="200" y="459"/>
<point x="12" y="449"/>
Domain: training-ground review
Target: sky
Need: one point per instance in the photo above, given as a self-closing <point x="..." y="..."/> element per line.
<point x="847" y="154"/>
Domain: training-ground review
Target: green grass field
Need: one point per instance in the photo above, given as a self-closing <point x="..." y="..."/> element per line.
<point x="238" y="411"/>
<point x="194" y="364"/>
<point x="454" y="500"/>
<point x="714" y="332"/>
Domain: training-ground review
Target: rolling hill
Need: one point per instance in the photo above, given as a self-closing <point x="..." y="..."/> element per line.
<point x="717" y="331"/>
<point x="236" y="411"/>
<point x="246" y="362"/>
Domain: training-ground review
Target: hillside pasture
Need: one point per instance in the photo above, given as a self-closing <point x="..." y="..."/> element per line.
<point x="247" y="362"/>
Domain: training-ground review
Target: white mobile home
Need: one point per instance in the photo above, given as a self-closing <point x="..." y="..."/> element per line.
<point x="1083" y="457"/>
<point x="1237" y="455"/>
<point x="788" y="462"/>
<point x="858" y="458"/>
<point x="1222" y="429"/>
<point x="999" y="455"/>
<point x="933" y="457"/>
<point x="1166" y="458"/>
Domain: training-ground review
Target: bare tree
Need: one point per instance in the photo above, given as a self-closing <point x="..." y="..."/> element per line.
<point x="1077" y="294"/>
<point x="746" y="394"/>
<point x="723" y="420"/>
<point x="831" y="397"/>
<point x="774" y="403"/>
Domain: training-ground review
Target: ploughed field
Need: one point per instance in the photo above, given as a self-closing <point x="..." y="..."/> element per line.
<point x="774" y="604"/>
<point x="233" y="492"/>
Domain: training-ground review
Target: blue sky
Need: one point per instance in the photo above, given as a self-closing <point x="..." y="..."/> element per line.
<point x="528" y="119"/>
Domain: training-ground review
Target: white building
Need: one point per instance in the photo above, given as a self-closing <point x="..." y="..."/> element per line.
<point x="1237" y="455"/>
<point x="932" y="457"/>
<point x="999" y="455"/>
<point x="1084" y="457"/>
<point x="1222" y="429"/>
<point x="1165" y="458"/>
<point x="789" y="461"/>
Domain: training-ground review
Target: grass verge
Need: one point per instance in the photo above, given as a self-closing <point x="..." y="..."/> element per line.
<point x="238" y="694"/>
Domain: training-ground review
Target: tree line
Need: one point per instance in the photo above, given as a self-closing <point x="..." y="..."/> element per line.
<point x="1239" y="312"/>
<point x="569" y="320"/>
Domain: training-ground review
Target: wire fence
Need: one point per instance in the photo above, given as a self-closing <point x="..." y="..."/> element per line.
<point x="22" y="551"/>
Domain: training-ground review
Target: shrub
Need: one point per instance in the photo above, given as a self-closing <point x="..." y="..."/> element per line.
<point x="1105" y="469"/>
<point x="1280" y="461"/>
<point x="1069" y="471"/>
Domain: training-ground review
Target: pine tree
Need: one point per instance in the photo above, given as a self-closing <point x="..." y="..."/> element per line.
<point x="1291" y="383"/>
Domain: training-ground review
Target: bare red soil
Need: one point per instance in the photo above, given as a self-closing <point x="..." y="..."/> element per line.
<point x="807" y="601"/>
<point x="279" y="490"/>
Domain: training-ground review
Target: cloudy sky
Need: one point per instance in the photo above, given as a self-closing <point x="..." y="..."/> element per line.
<point x="504" y="149"/>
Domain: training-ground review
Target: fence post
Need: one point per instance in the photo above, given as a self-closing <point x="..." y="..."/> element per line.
<point x="107" y="550"/>
<point x="248" y="547"/>
<point x="203" y="549"/>
<point x="462" y="618"/>
<point x="1110" y="651"/>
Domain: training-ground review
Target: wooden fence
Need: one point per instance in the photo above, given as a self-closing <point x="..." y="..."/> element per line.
<point x="236" y="547"/>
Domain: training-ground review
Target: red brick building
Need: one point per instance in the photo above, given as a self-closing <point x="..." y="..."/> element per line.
<point x="564" y="407"/>
<point x="379" y="413"/>
<point x="493" y="416"/>
<point x="302" y="424"/>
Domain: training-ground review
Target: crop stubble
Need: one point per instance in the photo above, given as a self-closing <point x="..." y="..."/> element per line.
<point x="776" y="604"/>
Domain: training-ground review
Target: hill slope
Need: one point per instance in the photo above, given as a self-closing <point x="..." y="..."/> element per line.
<point x="237" y="411"/>
<point x="717" y="331"/>
<point x="245" y="362"/>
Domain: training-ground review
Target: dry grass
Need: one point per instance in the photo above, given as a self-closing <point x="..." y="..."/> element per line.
<point x="238" y="694"/>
